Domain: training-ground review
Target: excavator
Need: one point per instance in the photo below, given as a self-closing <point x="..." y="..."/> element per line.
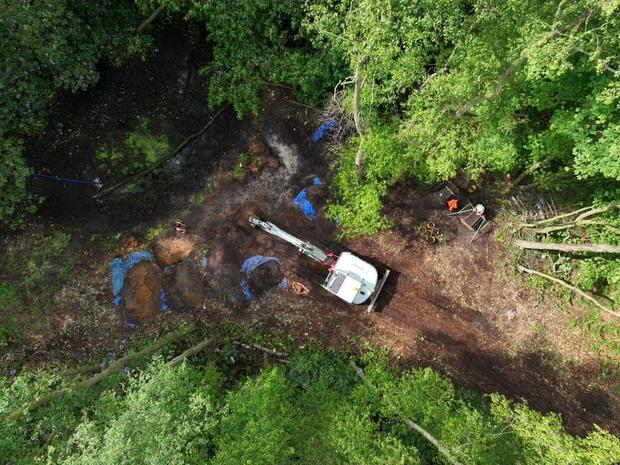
<point x="349" y="277"/>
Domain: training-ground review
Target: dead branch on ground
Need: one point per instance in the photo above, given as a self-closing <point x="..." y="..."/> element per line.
<point x="282" y="357"/>
<point x="574" y="289"/>
<point x="581" y="219"/>
<point x="152" y="168"/>
<point x="194" y="350"/>
<point x="85" y="384"/>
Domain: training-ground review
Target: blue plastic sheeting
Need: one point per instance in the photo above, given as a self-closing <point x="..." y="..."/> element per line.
<point x="248" y="267"/>
<point x="304" y="203"/>
<point x="324" y="129"/>
<point x="120" y="268"/>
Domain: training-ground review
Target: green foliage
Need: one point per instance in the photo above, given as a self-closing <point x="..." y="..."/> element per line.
<point x="241" y="167"/>
<point x="605" y="338"/>
<point x="358" y="208"/>
<point x="16" y="201"/>
<point x="154" y="232"/>
<point x="139" y="149"/>
<point x="46" y="47"/>
<point x="165" y="415"/>
<point x="9" y="303"/>
<point x="258" y="43"/>
<point x="486" y="87"/>
<point x="318" y="410"/>
<point x="150" y="146"/>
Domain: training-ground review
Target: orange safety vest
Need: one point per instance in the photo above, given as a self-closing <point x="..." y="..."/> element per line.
<point x="453" y="205"/>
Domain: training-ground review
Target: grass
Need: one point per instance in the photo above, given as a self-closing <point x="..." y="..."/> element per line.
<point x="241" y="167"/>
<point x="154" y="232"/>
<point x="32" y="272"/>
<point x="140" y="148"/>
<point x="48" y="266"/>
<point x="9" y="305"/>
<point x="152" y="147"/>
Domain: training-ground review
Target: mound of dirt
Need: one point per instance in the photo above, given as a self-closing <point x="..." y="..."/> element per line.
<point x="265" y="277"/>
<point x="186" y="288"/>
<point x="141" y="293"/>
<point x="171" y="250"/>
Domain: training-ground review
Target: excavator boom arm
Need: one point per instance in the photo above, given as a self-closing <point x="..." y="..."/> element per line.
<point x="304" y="247"/>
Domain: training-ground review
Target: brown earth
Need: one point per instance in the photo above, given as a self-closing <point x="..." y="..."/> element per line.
<point x="140" y="293"/>
<point x="265" y="277"/>
<point x="171" y="250"/>
<point x="185" y="288"/>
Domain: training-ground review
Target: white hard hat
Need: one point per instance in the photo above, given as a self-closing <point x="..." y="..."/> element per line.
<point x="479" y="209"/>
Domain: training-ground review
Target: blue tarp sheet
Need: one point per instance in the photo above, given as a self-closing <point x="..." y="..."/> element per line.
<point x="324" y="129"/>
<point x="249" y="265"/>
<point x="120" y="268"/>
<point x="304" y="203"/>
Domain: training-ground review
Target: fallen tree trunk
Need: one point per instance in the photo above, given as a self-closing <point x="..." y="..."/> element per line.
<point x="116" y="366"/>
<point x="150" y="169"/>
<point x="575" y="289"/>
<point x="576" y="248"/>
<point x="194" y="350"/>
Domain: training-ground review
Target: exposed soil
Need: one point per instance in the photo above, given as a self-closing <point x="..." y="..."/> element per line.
<point x="140" y="293"/>
<point x="171" y="250"/>
<point x="451" y="305"/>
<point x="265" y="277"/>
<point x="185" y="287"/>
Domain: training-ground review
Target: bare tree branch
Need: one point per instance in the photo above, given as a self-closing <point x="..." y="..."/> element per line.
<point x="583" y="294"/>
<point x="522" y="59"/>
<point x="151" y="18"/>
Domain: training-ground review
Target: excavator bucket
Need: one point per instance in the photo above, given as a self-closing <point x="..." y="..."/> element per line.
<point x="375" y="296"/>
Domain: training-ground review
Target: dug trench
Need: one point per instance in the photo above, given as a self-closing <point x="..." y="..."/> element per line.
<point x="450" y="305"/>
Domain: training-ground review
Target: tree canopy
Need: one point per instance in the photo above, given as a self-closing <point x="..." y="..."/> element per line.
<point x="317" y="409"/>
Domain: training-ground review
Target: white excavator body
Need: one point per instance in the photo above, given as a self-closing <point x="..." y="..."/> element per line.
<point x="350" y="278"/>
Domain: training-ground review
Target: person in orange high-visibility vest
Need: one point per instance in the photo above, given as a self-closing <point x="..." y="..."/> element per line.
<point x="453" y="205"/>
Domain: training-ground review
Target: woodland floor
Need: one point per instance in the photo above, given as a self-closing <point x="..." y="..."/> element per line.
<point x="453" y="306"/>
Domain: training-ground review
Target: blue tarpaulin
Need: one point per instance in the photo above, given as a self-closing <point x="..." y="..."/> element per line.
<point x="248" y="267"/>
<point x="323" y="129"/>
<point x="304" y="203"/>
<point x="120" y="268"/>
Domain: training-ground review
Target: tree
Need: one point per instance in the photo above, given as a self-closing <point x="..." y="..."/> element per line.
<point x="46" y="47"/>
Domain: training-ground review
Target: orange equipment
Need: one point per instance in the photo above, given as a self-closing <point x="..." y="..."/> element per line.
<point x="453" y="205"/>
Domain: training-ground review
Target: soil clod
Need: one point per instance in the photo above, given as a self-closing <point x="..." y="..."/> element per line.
<point x="141" y="293"/>
<point x="186" y="288"/>
<point x="172" y="250"/>
<point x="266" y="277"/>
